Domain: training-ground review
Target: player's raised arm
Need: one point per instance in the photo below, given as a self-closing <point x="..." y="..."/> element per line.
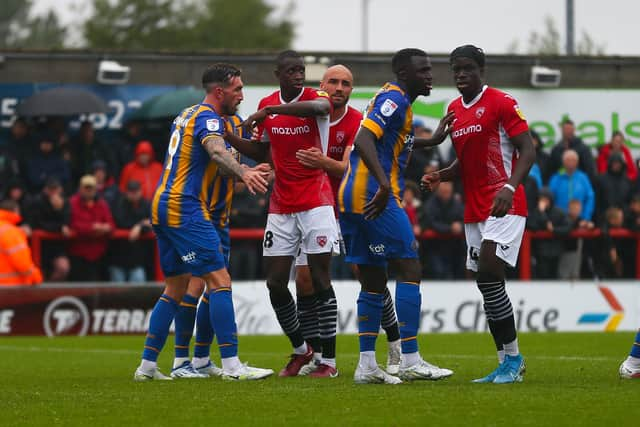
<point x="444" y="128"/>
<point x="526" y="156"/>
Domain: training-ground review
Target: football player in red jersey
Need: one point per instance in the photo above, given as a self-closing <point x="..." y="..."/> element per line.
<point x="344" y="124"/>
<point x="301" y="211"/>
<point x="494" y="154"/>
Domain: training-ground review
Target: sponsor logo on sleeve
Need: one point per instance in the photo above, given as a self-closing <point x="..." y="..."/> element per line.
<point x="213" y="124"/>
<point x="519" y="112"/>
<point x="388" y="107"/>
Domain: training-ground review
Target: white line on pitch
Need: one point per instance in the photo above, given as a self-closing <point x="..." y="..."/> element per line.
<point x="266" y="354"/>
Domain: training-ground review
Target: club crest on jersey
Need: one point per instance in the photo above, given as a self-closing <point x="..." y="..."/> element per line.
<point x="213" y="125"/>
<point x="479" y="112"/>
<point x="519" y="112"/>
<point x="340" y="136"/>
<point x="321" y="240"/>
<point x="388" y="107"/>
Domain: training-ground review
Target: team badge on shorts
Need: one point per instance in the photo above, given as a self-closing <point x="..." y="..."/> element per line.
<point x="321" y="240"/>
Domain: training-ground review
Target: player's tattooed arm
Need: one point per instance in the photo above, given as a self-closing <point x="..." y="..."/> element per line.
<point x="365" y="144"/>
<point x="443" y="129"/>
<point x="526" y="156"/>
<point x="217" y="149"/>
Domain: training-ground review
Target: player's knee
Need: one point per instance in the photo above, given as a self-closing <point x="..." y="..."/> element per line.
<point x="304" y="285"/>
<point x="409" y="270"/>
<point x="196" y="287"/>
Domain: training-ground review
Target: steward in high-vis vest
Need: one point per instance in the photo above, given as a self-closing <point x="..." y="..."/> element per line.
<point x="16" y="264"/>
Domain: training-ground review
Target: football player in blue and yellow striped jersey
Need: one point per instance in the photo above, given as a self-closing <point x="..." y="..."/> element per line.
<point x="190" y="313"/>
<point x="374" y="225"/>
<point x="187" y="240"/>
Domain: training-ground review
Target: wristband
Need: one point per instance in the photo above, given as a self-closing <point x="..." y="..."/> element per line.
<point x="509" y="187"/>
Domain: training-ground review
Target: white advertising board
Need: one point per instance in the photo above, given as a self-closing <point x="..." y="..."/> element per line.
<point x="457" y="307"/>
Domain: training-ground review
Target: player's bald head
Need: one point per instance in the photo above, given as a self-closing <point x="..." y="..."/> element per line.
<point x="337" y="71"/>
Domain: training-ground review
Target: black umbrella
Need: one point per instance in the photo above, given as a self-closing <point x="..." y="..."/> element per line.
<point x="61" y="101"/>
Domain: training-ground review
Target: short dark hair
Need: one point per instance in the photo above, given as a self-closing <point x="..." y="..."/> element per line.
<point x="468" y="51"/>
<point x="617" y="133"/>
<point x="286" y="54"/>
<point x="219" y="73"/>
<point x="568" y="122"/>
<point x="402" y="58"/>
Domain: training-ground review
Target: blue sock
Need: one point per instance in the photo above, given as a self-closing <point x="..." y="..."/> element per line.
<point x="635" y="350"/>
<point x="408" y="302"/>
<point x="223" y="319"/>
<point x="184" y="321"/>
<point x="204" y="330"/>
<point x="369" y="316"/>
<point x="161" y="317"/>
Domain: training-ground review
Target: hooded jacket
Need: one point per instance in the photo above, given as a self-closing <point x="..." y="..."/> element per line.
<point x="16" y="264"/>
<point x="148" y="176"/>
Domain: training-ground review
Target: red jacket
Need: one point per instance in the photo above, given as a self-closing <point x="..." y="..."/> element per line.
<point x="148" y="177"/>
<point x="88" y="245"/>
<point x="16" y="264"/>
<point x="603" y="161"/>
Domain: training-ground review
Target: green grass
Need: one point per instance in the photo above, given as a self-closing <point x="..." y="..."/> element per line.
<point x="571" y="380"/>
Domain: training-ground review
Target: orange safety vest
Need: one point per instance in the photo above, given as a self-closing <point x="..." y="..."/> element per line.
<point x="16" y="264"/>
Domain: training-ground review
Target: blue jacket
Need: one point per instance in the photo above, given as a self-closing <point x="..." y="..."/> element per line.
<point x="536" y="174"/>
<point x="577" y="186"/>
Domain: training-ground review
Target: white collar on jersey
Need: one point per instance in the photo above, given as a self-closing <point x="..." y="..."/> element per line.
<point x="338" y="120"/>
<point x="476" y="99"/>
<point x="282" y="101"/>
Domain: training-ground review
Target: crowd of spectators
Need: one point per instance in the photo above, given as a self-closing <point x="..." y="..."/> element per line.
<point x="85" y="187"/>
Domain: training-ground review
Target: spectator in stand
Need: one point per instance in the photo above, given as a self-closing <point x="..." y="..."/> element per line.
<point x="128" y="257"/>
<point x="444" y="213"/>
<point x="247" y="211"/>
<point x="126" y="144"/>
<point x="106" y="184"/>
<point x="144" y="169"/>
<point x="17" y="192"/>
<point x="9" y="167"/>
<point x="411" y="204"/>
<point x="570" y="263"/>
<point x="542" y="157"/>
<point x="547" y="217"/>
<point x="86" y="149"/>
<point x="632" y="216"/>
<point x="532" y="185"/>
<point x="16" y="264"/>
<point x="614" y="251"/>
<point x="21" y="142"/>
<point x="614" y="187"/>
<point x="570" y="141"/>
<point x="91" y="222"/>
<point x="617" y="145"/>
<point x="572" y="183"/>
<point x="422" y="160"/>
<point x="45" y="163"/>
<point x="50" y="211"/>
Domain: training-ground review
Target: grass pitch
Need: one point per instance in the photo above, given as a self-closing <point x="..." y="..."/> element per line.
<point x="571" y="379"/>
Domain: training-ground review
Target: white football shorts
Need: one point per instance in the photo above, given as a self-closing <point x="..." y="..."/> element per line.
<point x="506" y="231"/>
<point x="314" y="231"/>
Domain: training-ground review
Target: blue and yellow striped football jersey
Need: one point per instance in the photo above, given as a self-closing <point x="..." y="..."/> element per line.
<point x="186" y="184"/>
<point x="222" y="187"/>
<point x="389" y="117"/>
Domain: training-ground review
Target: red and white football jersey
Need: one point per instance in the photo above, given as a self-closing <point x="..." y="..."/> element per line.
<point x="342" y="133"/>
<point x="296" y="188"/>
<point x="480" y="135"/>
